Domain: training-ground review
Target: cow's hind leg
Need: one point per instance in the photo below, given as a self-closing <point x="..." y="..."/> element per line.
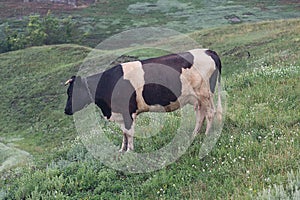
<point x="210" y="114"/>
<point x="209" y="120"/>
<point x="200" y="115"/>
<point x="124" y="143"/>
<point x="205" y="110"/>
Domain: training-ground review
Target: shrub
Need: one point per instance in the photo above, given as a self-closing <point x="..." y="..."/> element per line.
<point x="58" y="31"/>
<point x="290" y="191"/>
<point x="11" y="40"/>
<point x="35" y="35"/>
<point x="39" y="31"/>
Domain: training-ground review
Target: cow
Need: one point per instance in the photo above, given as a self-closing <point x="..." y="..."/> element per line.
<point x="161" y="84"/>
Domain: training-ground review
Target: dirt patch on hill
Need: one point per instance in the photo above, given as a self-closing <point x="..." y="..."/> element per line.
<point x="17" y="8"/>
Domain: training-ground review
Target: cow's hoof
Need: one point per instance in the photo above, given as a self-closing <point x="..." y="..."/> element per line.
<point x="129" y="150"/>
<point x="122" y="151"/>
<point x="195" y="133"/>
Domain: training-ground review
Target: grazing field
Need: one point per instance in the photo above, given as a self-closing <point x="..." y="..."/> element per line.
<point x="256" y="156"/>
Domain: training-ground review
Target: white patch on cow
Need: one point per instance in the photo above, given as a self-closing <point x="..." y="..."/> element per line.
<point x="134" y="72"/>
<point x="203" y="63"/>
<point x="190" y="80"/>
<point x="195" y="79"/>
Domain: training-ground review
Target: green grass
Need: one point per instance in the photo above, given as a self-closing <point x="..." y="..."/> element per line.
<point x="259" y="146"/>
<point x="31" y="88"/>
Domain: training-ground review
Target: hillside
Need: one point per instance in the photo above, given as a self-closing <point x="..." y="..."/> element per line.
<point x="258" y="148"/>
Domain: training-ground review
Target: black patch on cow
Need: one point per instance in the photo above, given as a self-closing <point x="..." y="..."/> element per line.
<point x="154" y="94"/>
<point x="213" y="81"/>
<point x="162" y="78"/>
<point x="217" y="60"/>
<point x="174" y="61"/>
<point x="115" y="94"/>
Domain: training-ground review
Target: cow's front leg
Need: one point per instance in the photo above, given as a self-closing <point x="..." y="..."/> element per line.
<point x="130" y="135"/>
<point x="124" y="146"/>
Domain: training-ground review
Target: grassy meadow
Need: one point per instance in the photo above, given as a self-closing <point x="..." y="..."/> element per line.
<point x="257" y="155"/>
<point x="257" y="151"/>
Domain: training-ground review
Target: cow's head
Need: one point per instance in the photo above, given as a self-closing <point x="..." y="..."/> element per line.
<point x="78" y="95"/>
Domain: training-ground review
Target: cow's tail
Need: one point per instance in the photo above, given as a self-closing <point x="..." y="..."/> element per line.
<point x="219" y="104"/>
<point x="218" y="65"/>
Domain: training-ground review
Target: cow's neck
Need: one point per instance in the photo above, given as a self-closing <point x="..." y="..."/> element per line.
<point x="91" y="83"/>
<point x="88" y="89"/>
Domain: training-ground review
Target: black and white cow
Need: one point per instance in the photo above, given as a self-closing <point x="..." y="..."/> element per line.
<point x="161" y="84"/>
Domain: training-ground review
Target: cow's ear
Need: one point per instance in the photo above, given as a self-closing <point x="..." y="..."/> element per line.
<point x="71" y="80"/>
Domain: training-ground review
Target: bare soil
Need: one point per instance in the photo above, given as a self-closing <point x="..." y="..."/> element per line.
<point x="17" y="8"/>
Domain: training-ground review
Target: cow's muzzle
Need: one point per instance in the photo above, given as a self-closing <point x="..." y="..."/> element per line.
<point x="68" y="112"/>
